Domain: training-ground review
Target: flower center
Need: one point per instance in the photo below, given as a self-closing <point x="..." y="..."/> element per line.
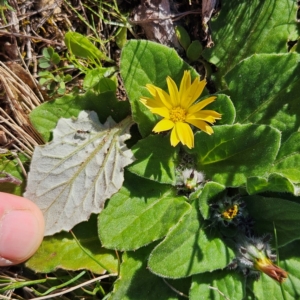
<point x="177" y="114"/>
<point x="230" y="213"/>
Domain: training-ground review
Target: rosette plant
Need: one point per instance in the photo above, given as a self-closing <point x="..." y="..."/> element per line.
<point x="144" y="184"/>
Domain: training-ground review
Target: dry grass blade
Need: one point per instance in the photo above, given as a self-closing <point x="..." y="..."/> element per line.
<point x="20" y="100"/>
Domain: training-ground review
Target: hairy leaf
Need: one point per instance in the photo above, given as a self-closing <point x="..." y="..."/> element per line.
<point x="265" y="90"/>
<point x="244" y="28"/>
<point x="155" y="159"/>
<point x="288" y="159"/>
<point x="136" y="282"/>
<point x="73" y="175"/>
<point x="141" y="212"/>
<point x="218" y="285"/>
<point x="233" y="152"/>
<point x="274" y="183"/>
<point x="63" y="251"/>
<point x="270" y="212"/>
<point x="189" y="249"/>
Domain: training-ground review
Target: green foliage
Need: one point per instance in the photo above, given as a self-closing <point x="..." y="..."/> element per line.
<point x="45" y="116"/>
<point x="137" y="282"/>
<point x="225" y="283"/>
<point x="10" y="165"/>
<point x="50" y="58"/>
<point x="183" y="37"/>
<point x="54" y="78"/>
<point x="138" y="226"/>
<point x="242" y="29"/>
<point x="190" y="248"/>
<point x="233" y="153"/>
<point x="267" y="97"/>
<point x="194" y="51"/>
<point x="269" y="212"/>
<point x="162" y="228"/>
<point x="156" y="159"/>
<point x="62" y="250"/>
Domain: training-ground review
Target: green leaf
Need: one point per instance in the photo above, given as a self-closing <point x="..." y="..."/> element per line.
<point x="12" y="167"/>
<point x="121" y="37"/>
<point x="183" y="36"/>
<point x="44" y="63"/>
<point x="105" y="85"/>
<point x="245" y="28"/>
<point x="194" y="50"/>
<point x="93" y="76"/>
<point x="274" y="183"/>
<point x="62" y="251"/>
<point x="211" y="191"/>
<point x="141" y="212"/>
<point x="234" y="152"/>
<point x="81" y="46"/>
<point x="62" y="85"/>
<point x="290" y="261"/>
<point x="218" y="285"/>
<point x="270" y="212"/>
<point x="136" y="282"/>
<point x="155" y="159"/>
<point x="268" y="288"/>
<point x="190" y="248"/>
<point x="267" y="97"/>
<point x="55" y="58"/>
<point x="46" y="74"/>
<point x="71" y="177"/>
<point x="45" y="116"/>
<point x="48" y="52"/>
<point x="61" y="91"/>
<point x="144" y="62"/>
<point x="288" y="159"/>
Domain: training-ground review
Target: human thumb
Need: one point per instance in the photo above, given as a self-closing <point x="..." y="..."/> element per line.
<point x="21" y="229"/>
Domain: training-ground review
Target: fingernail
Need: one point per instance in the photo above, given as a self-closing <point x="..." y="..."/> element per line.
<point x="18" y="232"/>
<point x="5" y="262"/>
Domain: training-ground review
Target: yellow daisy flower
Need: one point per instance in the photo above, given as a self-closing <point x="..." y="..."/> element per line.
<point x="178" y="109"/>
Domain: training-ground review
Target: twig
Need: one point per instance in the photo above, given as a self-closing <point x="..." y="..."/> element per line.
<point x="173" y="17"/>
<point x="75" y="287"/>
<point x="173" y="289"/>
<point x="3" y="32"/>
<point x="52" y="6"/>
<point x="216" y="289"/>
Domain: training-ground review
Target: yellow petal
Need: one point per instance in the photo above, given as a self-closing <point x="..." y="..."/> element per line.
<point x="185" y="134"/>
<point x="152" y="89"/>
<point x="161" y="111"/>
<point x="202" y="126"/>
<point x="160" y="95"/>
<point x="165" y="98"/>
<point x="151" y="103"/>
<point x="184" y="84"/>
<point x="174" y="138"/>
<point x="205" y="115"/>
<point x="195" y="91"/>
<point x="198" y="106"/>
<point x="163" y="125"/>
<point x="173" y="91"/>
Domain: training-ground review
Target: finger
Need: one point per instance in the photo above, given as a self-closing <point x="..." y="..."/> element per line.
<point x="21" y="229"/>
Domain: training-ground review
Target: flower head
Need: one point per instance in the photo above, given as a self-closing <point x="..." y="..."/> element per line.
<point x="255" y="255"/>
<point x="178" y="109"/>
<point x="228" y="210"/>
<point x="190" y="179"/>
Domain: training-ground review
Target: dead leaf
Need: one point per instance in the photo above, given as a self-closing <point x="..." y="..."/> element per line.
<point x="154" y="16"/>
<point x="208" y="7"/>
